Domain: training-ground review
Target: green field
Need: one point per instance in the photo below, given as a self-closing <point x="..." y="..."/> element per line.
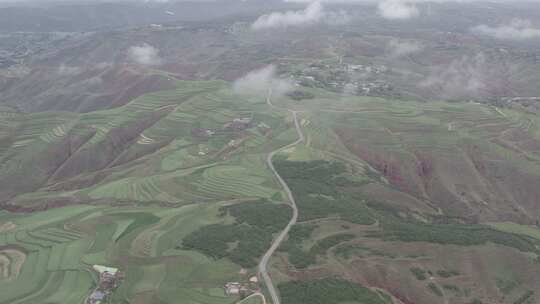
<point x="159" y="185"/>
<point x="144" y="150"/>
<point x="531" y="231"/>
<point x="61" y="245"/>
<point x="181" y="213"/>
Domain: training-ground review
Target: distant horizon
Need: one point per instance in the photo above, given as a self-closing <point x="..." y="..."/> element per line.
<point x="275" y="1"/>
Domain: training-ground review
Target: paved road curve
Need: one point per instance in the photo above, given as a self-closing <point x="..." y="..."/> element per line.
<point x="264" y="261"/>
<point x="257" y="294"/>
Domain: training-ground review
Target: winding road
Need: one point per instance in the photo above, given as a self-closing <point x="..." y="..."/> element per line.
<point x="279" y="239"/>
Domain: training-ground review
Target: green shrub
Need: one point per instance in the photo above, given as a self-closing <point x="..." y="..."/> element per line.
<point x="506" y="285"/>
<point x="328" y="290"/>
<point x="141" y="219"/>
<point x="261" y="214"/>
<point x="409" y="230"/>
<point x="300" y="258"/>
<point x="435" y="289"/>
<point x="524" y="298"/>
<point x="451" y="287"/>
<point x="447" y="273"/>
<point x="300" y="95"/>
<point x="316" y="187"/>
<point x="419" y="273"/>
<point x="322" y="246"/>
<point x="252" y="232"/>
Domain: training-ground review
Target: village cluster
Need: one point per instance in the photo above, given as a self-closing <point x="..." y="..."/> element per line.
<point x="243" y="289"/>
<point x="235" y="127"/>
<point x="354" y="79"/>
<point x="238" y="124"/>
<point x="109" y="279"/>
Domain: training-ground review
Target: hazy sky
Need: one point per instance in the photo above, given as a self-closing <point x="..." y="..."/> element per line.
<point x="296" y="1"/>
<point x="316" y="12"/>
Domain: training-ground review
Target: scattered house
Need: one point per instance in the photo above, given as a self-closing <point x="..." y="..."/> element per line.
<point x="98" y="296"/>
<point x="203" y="150"/>
<point x="203" y="133"/>
<point x="232" y="288"/>
<point x="263" y="128"/>
<point x="243" y="289"/>
<point x="6" y="63"/>
<point x="109" y="279"/>
<point x="102" y="269"/>
<point x="355" y="67"/>
<point x="254" y="279"/>
<point x="370" y="79"/>
<point x="245" y="120"/>
<point x="239" y="124"/>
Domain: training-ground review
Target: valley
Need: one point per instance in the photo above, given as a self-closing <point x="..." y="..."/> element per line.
<point x="146" y="215"/>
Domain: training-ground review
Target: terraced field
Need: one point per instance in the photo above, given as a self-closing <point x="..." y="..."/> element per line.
<point x="44" y="258"/>
<point x="458" y="155"/>
<point x="143" y="150"/>
<point x="123" y="187"/>
<point x="453" y="162"/>
<point x="234" y="181"/>
<point x="49" y="255"/>
<point x="144" y="157"/>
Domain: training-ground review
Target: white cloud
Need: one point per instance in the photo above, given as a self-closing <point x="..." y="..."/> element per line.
<point x="411" y="1"/>
<point x="144" y="54"/>
<point x="397" y="9"/>
<point x="402" y="9"/>
<point x="517" y="29"/>
<point x="399" y="48"/>
<point x="312" y="14"/>
<point x="463" y="78"/>
<point x="66" y="70"/>
<point x="103" y="65"/>
<point x="260" y="81"/>
<point x="340" y="17"/>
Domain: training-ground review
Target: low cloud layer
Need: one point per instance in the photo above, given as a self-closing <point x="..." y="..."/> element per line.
<point x="144" y="54"/>
<point x="397" y="9"/>
<point x="389" y="9"/>
<point x="261" y="81"/>
<point x="466" y="77"/>
<point x="66" y="70"/>
<point x="518" y="29"/>
<point x="312" y="14"/>
<point x="407" y="9"/>
<point x="400" y="48"/>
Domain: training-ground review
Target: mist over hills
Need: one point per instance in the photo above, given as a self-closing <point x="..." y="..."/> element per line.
<point x="91" y="16"/>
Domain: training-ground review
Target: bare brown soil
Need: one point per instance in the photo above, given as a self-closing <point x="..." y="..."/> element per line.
<point x="7" y="226"/>
<point x="11" y="267"/>
<point x="469" y="181"/>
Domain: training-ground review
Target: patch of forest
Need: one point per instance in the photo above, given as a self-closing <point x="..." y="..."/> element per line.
<point x="245" y="240"/>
